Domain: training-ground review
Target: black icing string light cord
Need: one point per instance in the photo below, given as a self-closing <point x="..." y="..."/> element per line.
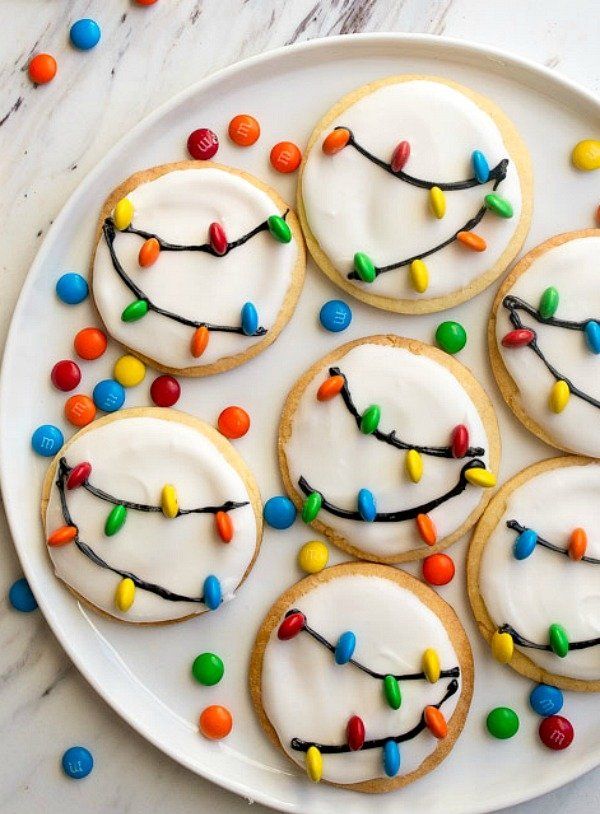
<point x="391" y="437"/>
<point x="517" y="304"/>
<point x="535" y="539"/>
<point x="521" y="641"/>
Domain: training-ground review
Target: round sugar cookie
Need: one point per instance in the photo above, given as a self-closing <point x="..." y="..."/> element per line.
<point x="533" y="573"/>
<point x="365" y="199"/>
<point x="197" y="267"/>
<point x="389" y="447"/>
<point x="151" y="516"/>
<point x="544" y="341"/>
<point x="387" y="717"/>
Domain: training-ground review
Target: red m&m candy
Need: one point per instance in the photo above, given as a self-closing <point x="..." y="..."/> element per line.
<point x="165" y="391"/>
<point x="202" y="144"/>
<point x="438" y="569"/>
<point x="234" y="422"/>
<point x="291" y="626"/>
<point x="556" y="732"/>
<point x="65" y="375"/>
<point x="42" y="69"/>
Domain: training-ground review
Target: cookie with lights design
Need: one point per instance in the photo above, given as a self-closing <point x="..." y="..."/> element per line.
<point x="151" y="516"/>
<point x="544" y="341"/>
<point x="415" y="193"/>
<point x="363" y="676"/>
<point x="389" y="447"/>
<point x="534" y="573"/>
<point x="197" y="267"/>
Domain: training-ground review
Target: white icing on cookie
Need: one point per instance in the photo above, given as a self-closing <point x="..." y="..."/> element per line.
<point x="548" y="588"/>
<point x="132" y="459"/>
<point x="306" y="695"/>
<point x="179" y="207"/>
<point x="423" y="402"/>
<point x="573" y="269"/>
<point x="353" y="205"/>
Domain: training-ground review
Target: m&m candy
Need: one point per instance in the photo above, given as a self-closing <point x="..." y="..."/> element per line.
<point x="502" y="723"/>
<point x="279" y="512"/>
<point x="80" y="410"/>
<point x="42" y="69"/>
<point x="165" y="391"/>
<point x="90" y="343"/>
<point x="208" y="669"/>
<point x="556" y="732"/>
<point x="21" y="596"/>
<point x="313" y="557"/>
<point x="335" y="316"/>
<point x="244" y="130"/>
<point x="47" y="440"/>
<point x="202" y="144"/>
<point x="233" y="422"/>
<point x="438" y="569"/>
<point x="451" y="336"/>
<point x="65" y="375"/>
<point x="77" y="762"/>
<point x="145" y="2"/>
<point x="108" y="395"/>
<point x="546" y="700"/>
<point x="72" y="288"/>
<point x="85" y="34"/>
<point x="129" y="371"/>
<point x="215" y="722"/>
<point x="285" y="157"/>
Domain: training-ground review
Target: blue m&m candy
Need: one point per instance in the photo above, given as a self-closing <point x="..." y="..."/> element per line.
<point x="249" y="319"/>
<point x="335" y="316"/>
<point x="85" y="34"/>
<point x="77" y="762"/>
<point x="21" y="596"/>
<point x="524" y="544"/>
<point x="592" y="335"/>
<point x="367" y="508"/>
<point x="481" y="168"/>
<point x="47" y="440"/>
<point x="391" y="758"/>
<point x="212" y="592"/>
<point x="279" y="512"/>
<point x="72" y="288"/>
<point x="344" y="648"/>
<point x="108" y="395"/>
<point x="546" y="700"/>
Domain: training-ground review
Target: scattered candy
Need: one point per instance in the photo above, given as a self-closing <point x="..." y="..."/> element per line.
<point x="426" y="528"/>
<point x="546" y="700"/>
<point x="279" y="512"/>
<point x="503" y="647"/>
<point x="72" y="288"/>
<point x="597" y="215"/>
<point x="431" y="665"/>
<point x="217" y="239"/>
<point x="335" y="316"/>
<point x="481" y="168"/>
<point x="370" y="419"/>
<point x="519" y="338"/>
<point x="249" y="319"/>
<point x="314" y="764"/>
<point x="556" y="732"/>
<point x="125" y="594"/>
<point x="199" y="341"/>
<point x="77" y="762"/>
<point x="586" y="155"/>
<point x="291" y="626"/>
<point x="391" y="758"/>
<point x="62" y="536"/>
<point x="169" y="502"/>
<point x="90" y="343"/>
<point x="330" y="388"/>
<point x="525" y="544"/>
<point x="558" y="640"/>
<point x="165" y="391"/>
<point x="498" y="205"/>
<point x="559" y="396"/>
<point x="224" y="526"/>
<point x="364" y="267"/>
<point x="548" y="303"/>
<point x="400" y="156"/>
<point x="418" y="274"/>
<point x="129" y="371"/>
<point x="279" y="228"/>
<point x="313" y="557"/>
<point x="472" y="241"/>
<point x="42" y="69"/>
<point x="437" y="202"/>
<point x="80" y="410"/>
<point x="592" y="335"/>
<point x="391" y="691"/>
<point x="123" y="214"/>
<point x="79" y="475"/>
<point x="212" y="592"/>
<point x="438" y="569"/>
<point x="115" y="520"/>
<point x="47" y="440"/>
<point x="285" y="157"/>
<point x="367" y="507"/>
<point x="244" y="130"/>
<point x="215" y="722"/>
<point x="413" y="464"/>
<point x="451" y="336"/>
<point x="202" y="144"/>
<point x="21" y="596"/>
<point x="480" y="477"/>
<point x="577" y="544"/>
<point x="355" y="733"/>
<point x="336" y="141"/>
<point x="208" y="669"/>
<point x="145" y="2"/>
<point x="65" y="375"/>
<point x="233" y="422"/>
<point x="311" y="507"/>
<point x="149" y="251"/>
<point x="135" y="310"/>
<point x="85" y="34"/>
<point x="459" y="441"/>
<point x="435" y="722"/>
<point x="502" y="723"/>
<point x="344" y="649"/>
<point x="108" y="395"/>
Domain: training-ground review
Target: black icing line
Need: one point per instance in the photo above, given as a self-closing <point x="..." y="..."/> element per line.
<point x="517" y="304"/>
<point x="513" y="304"/>
<point x="516" y="526"/>
<point x="342" y="748"/>
<point x="521" y="641"/>
<point x="404" y="514"/>
<point x="390" y="437"/>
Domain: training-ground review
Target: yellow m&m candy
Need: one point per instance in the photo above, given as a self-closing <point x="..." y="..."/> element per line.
<point x="129" y="371"/>
<point x="313" y="557"/>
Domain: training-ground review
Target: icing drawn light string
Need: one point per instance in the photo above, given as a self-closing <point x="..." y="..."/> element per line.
<point x="78" y="477"/>
<point x="528" y="539"/>
<point x="523" y="336"/>
<point x="558" y="643"/>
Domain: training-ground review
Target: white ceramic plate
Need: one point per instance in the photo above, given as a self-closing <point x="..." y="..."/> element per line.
<point x="145" y="673"/>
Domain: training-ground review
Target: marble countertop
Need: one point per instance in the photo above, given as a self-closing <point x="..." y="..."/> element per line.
<point x="50" y="137"/>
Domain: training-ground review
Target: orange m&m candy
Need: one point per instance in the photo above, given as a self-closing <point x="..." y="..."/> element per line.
<point x="244" y="130"/>
<point x="215" y="722"/>
<point x="42" y="69"/>
<point x="426" y="528"/>
<point x="285" y="157"/>
<point x="80" y="410"/>
<point x="438" y="569"/>
<point x="145" y="2"/>
<point x="330" y="387"/>
<point x="472" y="241"/>
<point x="149" y="252"/>
<point x="577" y="544"/>
<point x="234" y="422"/>
<point x="90" y="343"/>
<point x="224" y="526"/>
<point x="336" y="141"/>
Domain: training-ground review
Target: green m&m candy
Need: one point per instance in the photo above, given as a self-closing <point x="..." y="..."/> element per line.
<point x="135" y="310"/>
<point x="208" y="669"/>
<point x="499" y="205"/>
<point x="369" y="421"/>
<point x="548" y="303"/>
<point x="115" y="520"/>
<point x="391" y="690"/>
<point x="364" y="267"/>
<point x="311" y="507"/>
<point x="502" y="723"/>
<point x="559" y="640"/>
<point x="279" y="229"/>
<point x="451" y="336"/>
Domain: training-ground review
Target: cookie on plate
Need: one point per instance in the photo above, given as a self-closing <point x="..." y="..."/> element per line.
<point x="363" y="676"/>
<point x="533" y="571"/>
<point x="544" y="341"/>
<point x="415" y="193"/>
<point x="197" y="267"/>
<point x="151" y="516"/>
<point x="389" y="446"/>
